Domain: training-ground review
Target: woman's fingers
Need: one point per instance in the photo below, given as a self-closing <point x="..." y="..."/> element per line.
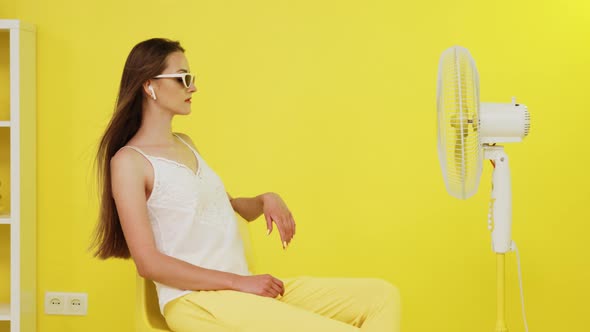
<point x="282" y="232"/>
<point x="286" y="227"/>
<point x="268" y="224"/>
<point x="294" y="227"/>
<point x="275" y="286"/>
<point x="269" y="293"/>
<point x="276" y="289"/>
<point x="292" y="223"/>
<point x="280" y="285"/>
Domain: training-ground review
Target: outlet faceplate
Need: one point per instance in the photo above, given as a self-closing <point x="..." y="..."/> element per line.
<point x="57" y="303"/>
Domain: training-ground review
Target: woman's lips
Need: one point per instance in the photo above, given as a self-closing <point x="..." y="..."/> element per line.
<point x="188" y="100"/>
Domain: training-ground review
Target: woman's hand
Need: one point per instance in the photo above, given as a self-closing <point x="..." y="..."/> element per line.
<point x="275" y="209"/>
<point x="262" y="285"/>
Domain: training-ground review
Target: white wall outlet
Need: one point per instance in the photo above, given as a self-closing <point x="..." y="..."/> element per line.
<point x="77" y="303"/>
<point x="55" y="303"/>
<point x="66" y="303"/>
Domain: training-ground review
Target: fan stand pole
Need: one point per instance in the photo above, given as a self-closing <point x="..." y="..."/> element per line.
<point x="500" y="223"/>
<point x="501" y="285"/>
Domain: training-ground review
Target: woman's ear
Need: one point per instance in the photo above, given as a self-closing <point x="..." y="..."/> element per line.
<point x="149" y="89"/>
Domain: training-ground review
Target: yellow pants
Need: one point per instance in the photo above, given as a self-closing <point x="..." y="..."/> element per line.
<point x="308" y="305"/>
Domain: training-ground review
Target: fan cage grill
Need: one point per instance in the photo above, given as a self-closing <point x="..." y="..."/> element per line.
<point x="459" y="145"/>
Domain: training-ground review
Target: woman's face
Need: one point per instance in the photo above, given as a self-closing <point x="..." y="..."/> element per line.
<point x="171" y="94"/>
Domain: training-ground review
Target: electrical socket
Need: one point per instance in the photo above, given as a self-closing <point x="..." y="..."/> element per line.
<point x="55" y="303"/>
<point x="66" y="303"/>
<point x="77" y="303"/>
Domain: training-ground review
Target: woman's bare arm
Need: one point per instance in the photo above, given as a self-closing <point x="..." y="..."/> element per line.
<point x="250" y="208"/>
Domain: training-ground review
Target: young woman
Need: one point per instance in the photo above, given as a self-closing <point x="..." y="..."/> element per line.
<point x="164" y="207"/>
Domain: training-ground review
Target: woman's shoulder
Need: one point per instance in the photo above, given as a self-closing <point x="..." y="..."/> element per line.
<point x="127" y="157"/>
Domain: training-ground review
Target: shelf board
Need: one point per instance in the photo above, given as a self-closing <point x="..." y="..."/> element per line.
<point x="4" y="311"/>
<point x="4" y="218"/>
<point x="16" y="24"/>
<point x="5" y="124"/>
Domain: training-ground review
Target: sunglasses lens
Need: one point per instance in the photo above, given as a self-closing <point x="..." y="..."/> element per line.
<point x="188" y="79"/>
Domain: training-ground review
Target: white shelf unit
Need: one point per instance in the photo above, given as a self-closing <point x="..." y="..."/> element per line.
<point x="4" y="312"/>
<point x="19" y="169"/>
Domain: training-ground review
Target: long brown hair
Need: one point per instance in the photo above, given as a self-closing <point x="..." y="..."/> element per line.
<point x="146" y="60"/>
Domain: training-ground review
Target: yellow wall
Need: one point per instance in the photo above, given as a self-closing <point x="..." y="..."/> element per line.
<point x="332" y="104"/>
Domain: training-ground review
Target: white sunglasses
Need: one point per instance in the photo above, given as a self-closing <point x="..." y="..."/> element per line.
<point x="186" y="78"/>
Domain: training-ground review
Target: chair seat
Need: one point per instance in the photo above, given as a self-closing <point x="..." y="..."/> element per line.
<point x="149" y="318"/>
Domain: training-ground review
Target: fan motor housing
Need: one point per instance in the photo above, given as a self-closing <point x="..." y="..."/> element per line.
<point x="503" y="123"/>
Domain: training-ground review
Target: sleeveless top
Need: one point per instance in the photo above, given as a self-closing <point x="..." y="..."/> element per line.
<point x="192" y="219"/>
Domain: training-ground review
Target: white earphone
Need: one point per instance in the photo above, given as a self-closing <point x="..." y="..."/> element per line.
<point x="152" y="91"/>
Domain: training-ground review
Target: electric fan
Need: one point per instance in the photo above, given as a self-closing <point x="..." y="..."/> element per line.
<point x="467" y="135"/>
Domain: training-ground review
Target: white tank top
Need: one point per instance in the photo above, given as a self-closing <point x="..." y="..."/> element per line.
<point x="192" y="219"/>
